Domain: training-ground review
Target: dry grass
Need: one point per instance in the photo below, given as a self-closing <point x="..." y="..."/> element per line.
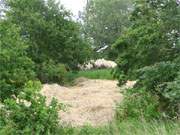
<point x="90" y="101"/>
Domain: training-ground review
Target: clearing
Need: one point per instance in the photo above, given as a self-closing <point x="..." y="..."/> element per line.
<point x="88" y="102"/>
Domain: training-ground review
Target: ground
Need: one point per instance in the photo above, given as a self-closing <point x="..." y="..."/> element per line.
<point x="88" y="102"/>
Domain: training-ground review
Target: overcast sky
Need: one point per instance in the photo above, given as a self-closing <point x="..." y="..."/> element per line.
<point x="74" y="5"/>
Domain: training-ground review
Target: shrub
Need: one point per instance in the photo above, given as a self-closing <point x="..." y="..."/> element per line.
<point x="51" y="72"/>
<point x="28" y="113"/>
<point x="162" y="80"/>
<point x="152" y="76"/>
<point x="171" y="95"/>
<point x="138" y="104"/>
<point x="16" y="68"/>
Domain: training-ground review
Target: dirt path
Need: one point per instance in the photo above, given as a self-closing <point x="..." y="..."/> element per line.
<point x="89" y="102"/>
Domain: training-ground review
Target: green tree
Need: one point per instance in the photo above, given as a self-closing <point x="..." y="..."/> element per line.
<point x="22" y="109"/>
<point x="50" y="30"/>
<point x="149" y="51"/>
<point x="16" y="68"/>
<point x="105" y="20"/>
<point x="153" y="37"/>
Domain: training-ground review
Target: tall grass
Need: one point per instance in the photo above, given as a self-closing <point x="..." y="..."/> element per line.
<point x="140" y="127"/>
<point x="129" y="127"/>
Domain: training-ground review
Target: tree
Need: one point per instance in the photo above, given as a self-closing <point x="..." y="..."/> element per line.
<point x="50" y="30"/>
<point x="16" y="67"/>
<point x="149" y="51"/>
<point x="105" y="20"/>
<point x="152" y="38"/>
<point x="23" y="110"/>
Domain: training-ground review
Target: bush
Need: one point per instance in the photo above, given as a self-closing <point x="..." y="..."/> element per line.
<point x="28" y="113"/>
<point x="172" y="96"/>
<point x="162" y="80"/>
<point x="152" y="76"/>
<point x="50" y="72"/>
<point x="138" y="104"/>
<point x="16" y="68"/>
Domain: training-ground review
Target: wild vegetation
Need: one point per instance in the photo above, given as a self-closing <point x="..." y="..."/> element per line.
<point x="104" y="21"/>
<point x="52" y="36"/>
<point x="40" y="43"/>
<point x="149" y="52"/>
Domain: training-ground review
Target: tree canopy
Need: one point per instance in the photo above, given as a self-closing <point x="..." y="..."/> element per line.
<point x="50" y="30"/>
<point x="105" y="20"/>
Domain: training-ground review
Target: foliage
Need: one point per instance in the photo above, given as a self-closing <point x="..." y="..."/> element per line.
<point x="39" y="36"/>
<point x="50" y="30"/>
<point x="22" y="109"/>
<point x="105" y="20"/>
<point x="151" y="39"/>
<point x="28" y="113"/>
<point x="162" y="79"/>
<point x="172" y="95"/>
<point x="52" y="72"/>
<point x="16" y="67"/>
<point x="138" y="104"/>
<point x="148" y="51"/>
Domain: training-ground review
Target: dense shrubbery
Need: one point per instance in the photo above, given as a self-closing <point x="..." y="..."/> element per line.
<point x="16" y="68"/>
<point x="22" y="109"/>
<point x="33" y="43"/>
<point x="51" y="72"/>
<point x="149" y="51"/>
<point x="138" y="104"/>
<point x="162" y="79"/>
<point x="28" y="113"/>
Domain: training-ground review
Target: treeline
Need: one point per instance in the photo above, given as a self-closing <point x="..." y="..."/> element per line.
<point x="38" y="41"/>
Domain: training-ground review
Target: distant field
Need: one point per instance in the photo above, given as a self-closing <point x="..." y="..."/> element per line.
<point x="94" y="74"/>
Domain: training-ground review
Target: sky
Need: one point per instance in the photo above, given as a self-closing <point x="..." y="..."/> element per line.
<point x="74" y="5"/>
